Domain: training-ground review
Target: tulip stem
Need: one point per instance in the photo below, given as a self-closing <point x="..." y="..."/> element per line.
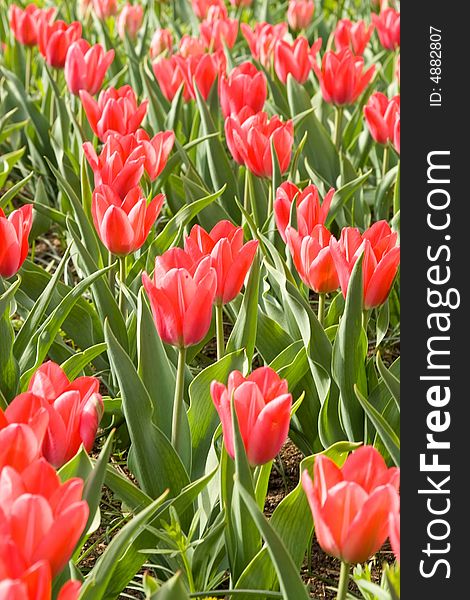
<point x="338" y="127"/>
<point x="122" y="282"/>
<point x="385" y="160"/>
<point x="111" y="272"/>
<point x="176" y="429"/>
<point x="343" y="581"/>
<point x="27" y="74"/>
<point x="321" y="308"/>
<point x="219" y="326"/>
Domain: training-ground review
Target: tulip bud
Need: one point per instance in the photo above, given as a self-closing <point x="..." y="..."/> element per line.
<point x="105" y="8"/>
<point x="262" y="404"/>
<point x="162" y="41"/>
<point x="300" y="14"/>
<point x="130" y="21"/>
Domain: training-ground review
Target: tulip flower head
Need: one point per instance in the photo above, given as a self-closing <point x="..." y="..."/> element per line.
<point x="105" y="8"/>
<point x="21" y="443"/>
<point x="130" y="21"/>
<point x="230" y="258"/>
<point x="168" y="75"/>
<point x="296" y="58"/>
<point x="351" y="505"/>
<point x="309" y="211"/>
<point x="14" y="232"/>
<point x="115" y="112"/>
<point x="262" y="404"/>
<point x="200" y="71"/>
<point x="217" y="31"/>
<point x="396" y="134"/>
<point x="162" y="41"/>
<point x="244" y="86"/>
<point x="41" y="519"/>
<point x="342" y="77"/>
<point x="249" y="140"/>
<point x="263" y="39"/>
<point x="191" y="46"/>
<point x="24" y="23"/>
<point x="394" y="532"/>
<point x="387" y="24"/>
<point x="86" y="66"/>
<point x="354" y="36"/>
<point x="201" y="7"/>
<point x="74" y="410"/>
<point x="312" y="258"/>
<point x="55" y="39"/>
<point x="300" y="14"/>
<point x="380" y="264"/>
<point x="381" y="115"/>
<point x="124" y="224"/>
<point x="181" y="296"/>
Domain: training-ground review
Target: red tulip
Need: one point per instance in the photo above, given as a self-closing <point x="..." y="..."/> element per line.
<point x="262" y="404"/>
<point x="55" y="39"/>
<point x="300" y="14"/>
<point x="308" y="209"/>
<point x="130" y="21"/>
<point x="230" y="258"/>
<point x="115" y="112"/>
<point x="162" y="41"/>
<point x="244" y="86"/>
<point x="191" y="46"/>
<point x="168" y="75"/>
<point x="120" y="164"/>
<point x="249" y="140"/>
<point x="380" y="264"/>
<point x="105" y="8"/>
<point x="263" y="39"/>
<point x="354" y="36"/>
<point x="296" y="58"/>
<point x="380" y="114"/>
<point x="181" y="296"/>
<point x="388" y="28"/>
<point x="156" y="150"/>
<point x="74" y="410"/>
<point x="41" y="518"/>
<point x="312" y="258"/>
<point x="123" y="225"/>
<point x="394" y="532"/>
<point x="14" y="232"/>
<point x="201" y="71"/>
<point x="24" y="23"/>
<point x="342" y="77"/>
<point x="396" y="134"/>
<point x="86" y="66"/>
<point x="201" y="7"/>
<point x="20" y="444"/>
<point x="217" y="31"/>
<point x="350" y="506"/>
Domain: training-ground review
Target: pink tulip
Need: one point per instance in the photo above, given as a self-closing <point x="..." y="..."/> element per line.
<point x="105" y="8"/>
<point x="123" y="225"/>
<point x="115" y="112"/>
<point x="263" y="39"/>
<point x="191" y="46"/>
<point x="381" y="114"/>
<point x="350" y="506"/>
<point x="296" y="58"/>
<point x="130" y="21"/>
<point x="262" y="404"/>
<point x="313" y="259"/>
<point x="86" y="66"/>
<point x="309" y="211"/>
<point x="24" y="23"/>
<point x="249" y="141"/>
<point x="74" y="411"/>
<point x="396" y="134"/>
<point x="217" y="31"/>
<point x="388" y="28"/>
<point x="162" y="41"/>
<point x="201" y="7"/>
<point x="244" y="86"/>
<point x="181" y="295"/>
<point x="41" y="519"/>
<point x="300" y="14"/>
<point x="230" y="258"/>
<point x="380" y="263"/>
<point x="20" y="444"/>
<point x="394" y="532"/>
<point x="354" y="36"/>
<point x="14" y="232"/>
<point x="55" y="39"/>
<point x="200" y="71"/>
<point x="168" y="75"/>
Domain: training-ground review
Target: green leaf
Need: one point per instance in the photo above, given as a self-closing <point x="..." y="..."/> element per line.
<point x="74" y="365"/>
<point x="392" y="382"/>
<point x="348" y="358"/>
<point x="386" y="433"/>
<point x="156" y="464"/>
<point x="383" y="320"/>
<point x="173" y="589"/>
<point x="11" y="193"/>
<point x="98" y="580"/>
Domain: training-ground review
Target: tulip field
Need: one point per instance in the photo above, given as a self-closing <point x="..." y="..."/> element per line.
<point x="199" y="299"/>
